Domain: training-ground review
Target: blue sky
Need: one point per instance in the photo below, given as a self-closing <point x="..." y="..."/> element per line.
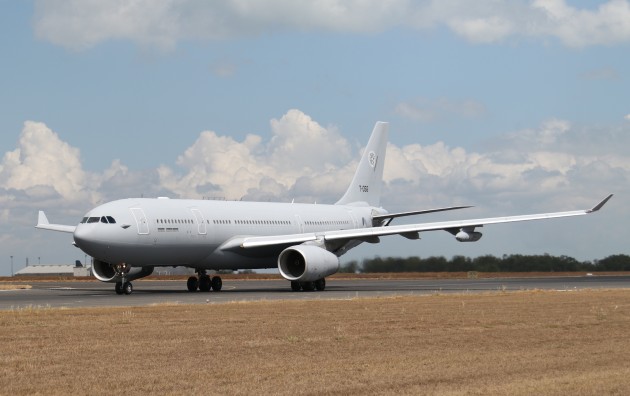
<point x="513" y="107"/>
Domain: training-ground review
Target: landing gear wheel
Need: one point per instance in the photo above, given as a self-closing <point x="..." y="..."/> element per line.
<point x="127" y="288"/>
<point x="217" y="283"/>
<point x="308" y="286"/>
<point x="192" y="284"/>
<point x="204" y="283"/>
<point x="320" y="284"/>
<point x="119" y="288"/>
<point x="295" y="286"/>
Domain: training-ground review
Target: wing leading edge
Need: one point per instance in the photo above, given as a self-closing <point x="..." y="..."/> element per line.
<point x="409" y="231"/>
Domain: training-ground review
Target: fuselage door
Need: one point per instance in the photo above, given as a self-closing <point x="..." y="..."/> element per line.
<point x="355" y="224"/>
<point x="299" y="223"/>
<point x="201" y="222"/>
<point x="141" y="220"/>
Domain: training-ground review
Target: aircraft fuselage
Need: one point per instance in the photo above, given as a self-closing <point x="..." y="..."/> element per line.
<point x="174" y="232"/>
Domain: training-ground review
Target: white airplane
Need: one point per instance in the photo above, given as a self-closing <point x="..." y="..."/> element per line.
<point x="129" y="237"/>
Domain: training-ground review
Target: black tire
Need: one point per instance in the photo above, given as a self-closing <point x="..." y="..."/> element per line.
<point x="308" y="286"/>
<point x="217" y="283"/>
<point x="320" y="284"/>
<point x="204" y="283"/>
<point x="128" y="288"/>
<point x="118" y="288"/>
<point x="296" y="286"/>
<point x="192" y="284"/>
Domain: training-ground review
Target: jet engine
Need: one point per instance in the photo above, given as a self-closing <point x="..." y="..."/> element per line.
<point x="468" y="236"/>
<point x="105" y="272"/>
<point x="306" y="263"/>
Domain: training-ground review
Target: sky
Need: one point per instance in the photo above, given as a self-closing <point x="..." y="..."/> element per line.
<point x="514" y="107"/>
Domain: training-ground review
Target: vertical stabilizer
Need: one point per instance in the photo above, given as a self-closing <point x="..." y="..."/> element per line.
<point x="368" y="178"/>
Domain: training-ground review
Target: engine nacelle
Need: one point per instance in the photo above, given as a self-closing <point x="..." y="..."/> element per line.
<point x="105" y="272"/>
<point x="468" y="236"/>
<point x="306" y="263"/>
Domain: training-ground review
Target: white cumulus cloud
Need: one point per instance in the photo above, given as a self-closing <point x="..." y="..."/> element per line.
<point x="44" y="164"/>
<point x="306" y="161"/>
<point x="608" y="24"/>
<point x="81" y="24"/>
<point x="553" y="160"/>
<point x="220" y="166"/>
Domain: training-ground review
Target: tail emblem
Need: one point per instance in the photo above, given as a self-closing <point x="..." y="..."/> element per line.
<point x="373" y="159"/>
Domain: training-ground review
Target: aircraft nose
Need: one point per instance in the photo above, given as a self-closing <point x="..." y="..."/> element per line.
<point x="80" y="236"/>
<point x="84" y="239"/>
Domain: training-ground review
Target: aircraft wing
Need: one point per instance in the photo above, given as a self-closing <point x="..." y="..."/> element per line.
<point x="410" y="231"/>
<point x="42" y="222"/>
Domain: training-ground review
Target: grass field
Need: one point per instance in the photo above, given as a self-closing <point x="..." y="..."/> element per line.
<point x="13" y="286"/>
<point x="496" y="343"/>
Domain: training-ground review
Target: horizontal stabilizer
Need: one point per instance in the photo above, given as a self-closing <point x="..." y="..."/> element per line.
<point x="417" y="212"/>
<point x="44" y="224"/>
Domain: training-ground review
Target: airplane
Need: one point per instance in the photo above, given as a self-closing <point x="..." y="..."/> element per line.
<point x="128" y="238"/>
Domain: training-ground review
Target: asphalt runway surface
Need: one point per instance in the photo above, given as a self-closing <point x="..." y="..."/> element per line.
<point x="149" y="292"/>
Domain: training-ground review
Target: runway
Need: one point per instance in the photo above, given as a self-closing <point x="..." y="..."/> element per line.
<point x="150" y="292"/>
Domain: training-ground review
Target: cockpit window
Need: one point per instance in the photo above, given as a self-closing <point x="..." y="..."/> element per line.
<point x="102" y="219"/>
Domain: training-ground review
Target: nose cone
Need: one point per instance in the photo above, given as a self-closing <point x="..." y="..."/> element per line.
<point x="86" y="239"/>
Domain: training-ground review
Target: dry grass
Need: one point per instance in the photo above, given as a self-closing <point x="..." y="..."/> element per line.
<point x="495" y="343"/>
<point x="10" y="286"/>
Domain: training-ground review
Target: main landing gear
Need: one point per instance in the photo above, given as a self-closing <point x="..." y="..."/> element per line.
<point x="204" y="283"/>
<point x="318" y="285"/>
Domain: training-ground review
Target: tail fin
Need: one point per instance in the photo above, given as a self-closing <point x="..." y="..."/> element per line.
<point x="368" y="178"/>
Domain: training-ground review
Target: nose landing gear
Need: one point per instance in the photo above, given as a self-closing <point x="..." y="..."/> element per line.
<point x="123" y="286"/>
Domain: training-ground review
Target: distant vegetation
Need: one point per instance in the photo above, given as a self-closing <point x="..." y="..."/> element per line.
<point x="507" y="263"/>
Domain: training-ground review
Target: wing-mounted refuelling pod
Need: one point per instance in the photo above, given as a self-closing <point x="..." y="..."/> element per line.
<point x="466" y="234"/>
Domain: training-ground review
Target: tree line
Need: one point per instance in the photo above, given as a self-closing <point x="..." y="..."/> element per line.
<point x="488" y="263"/>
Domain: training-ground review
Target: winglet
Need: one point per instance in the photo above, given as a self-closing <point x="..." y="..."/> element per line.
<point x="42" y="219"/>
<point x="600" y="205"/>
